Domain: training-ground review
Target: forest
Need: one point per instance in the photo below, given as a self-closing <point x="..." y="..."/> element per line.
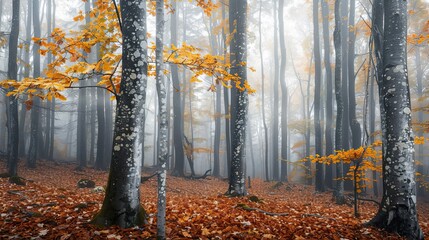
<point x="214" y="119"/>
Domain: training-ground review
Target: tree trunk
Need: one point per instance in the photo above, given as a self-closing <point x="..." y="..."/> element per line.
<point x="339" y="188"/>
<point x="238" y="51"/>
<point x="354" y="123"/>
<point x="319" y="183"/>
<point x="23" y="110"/>
<point x="12" y="71"/>
<point x="264" y="122"/>
<point x="179" y="155"/>
<point x="226" y="103"/>
<point x="397" y="212"/>
<point x="329" y="98"/>
<point x="283" y="150"/>
<point x="163" y="121"/>
<point x="35" y="111"/>
<point x="275" y="133"/>
<point x="121" y="205"/>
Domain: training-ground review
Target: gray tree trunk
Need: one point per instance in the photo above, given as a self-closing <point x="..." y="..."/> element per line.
<point x="284" y="149"/>
<point x="179" y="154"/>
<point x="339" y="188"/>
<point x="35" y="111"/>
<point x="163" y="121"/>
<point x="27" y="70"/>
<point x="121" y="205"/>
<point x="320" y="173"/>
<point x="238" y="51"/>
<point x="329" y="98"/>
<point x="354" y="123"/>
<point x="12" y="72"/>
<point x="275" y="133"/>
<point x="264" y="122"/>
<point x="397" y="212"/>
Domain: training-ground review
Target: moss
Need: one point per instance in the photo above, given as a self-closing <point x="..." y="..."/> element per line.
<point x="17" y="180"/>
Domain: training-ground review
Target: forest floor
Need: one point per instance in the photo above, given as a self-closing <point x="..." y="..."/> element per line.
<point x="51" y="206"/>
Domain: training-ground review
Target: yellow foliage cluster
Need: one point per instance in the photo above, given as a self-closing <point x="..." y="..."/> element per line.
<point x="71" y="63"/>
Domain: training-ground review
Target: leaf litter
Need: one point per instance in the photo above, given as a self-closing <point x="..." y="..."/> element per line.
<point x="51" y="206"/>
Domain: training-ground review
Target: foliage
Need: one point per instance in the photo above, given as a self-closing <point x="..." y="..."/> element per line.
<point x="73" y="63"/>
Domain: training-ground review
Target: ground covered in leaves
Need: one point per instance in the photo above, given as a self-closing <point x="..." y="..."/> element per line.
<point x="51" y="206"/>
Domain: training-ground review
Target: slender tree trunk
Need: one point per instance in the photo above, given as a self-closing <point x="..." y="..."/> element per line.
<point x="339" y="188"/>
<point x="275" y="132"/>
<point x="12" y="71"/>
<point x="283" y="149"/>
<point x="121" y="205"/>
<point x="419" y="78"/>
<point x="226" y="104"/>
<point x="329" y="96"/>
<point x="397" y="212"/>
<point x="377" y="35"/>
<point x="354" y="123"/>
<point x="238" y="51"/>
<point x="163" y="121"/>
<point x="179" y="155"/>
<point x="264" y="122"/>
<point x="319" y="183"/>
<point x="35" y="111"/>
<point x="23" y="110"/>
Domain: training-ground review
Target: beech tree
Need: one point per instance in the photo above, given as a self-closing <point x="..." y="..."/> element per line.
<point x="397" y="211"/>
<point x="238" y="55"/>
<point x="121" y="205"/>
<point x="12" y="118"/>
<point x="163" y="121"/>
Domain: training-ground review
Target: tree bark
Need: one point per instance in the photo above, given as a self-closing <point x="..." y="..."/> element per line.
<point x="238" y="51"/>
<point x="35" y="111"/>
<point x="179" y="154"/>
<point x="121" y="205"/>
<point x="275" y="133"/>
<point x="329" y="98"/>
<point x="319" y="183"/>
<point x="264" y="122"/>
<point x="12" y="72"/>
<point x="283" y="150"/>
<point x="339" y="188"/>
<point x="397" y="212"/>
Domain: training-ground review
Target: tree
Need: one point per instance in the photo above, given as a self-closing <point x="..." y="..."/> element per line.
<point x="275" y="133"/>
<point x="121" y="205"/>
<point x="263" y="92"/>
<point x="81" y="135"/>
<point x="354" y="123"/>
<point x="283" y="151"/>
<point x="35" y="111"/>
<point x="320" y="185"/>
<point x="238" y="55"/>
<point x="163" y="121"/>
<point x="12" y="71"/>
<point x="329" y="100"/>
<point x="179" y="154"/>
<point x="397" y="212"/>
<point x="339" y="188"/>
